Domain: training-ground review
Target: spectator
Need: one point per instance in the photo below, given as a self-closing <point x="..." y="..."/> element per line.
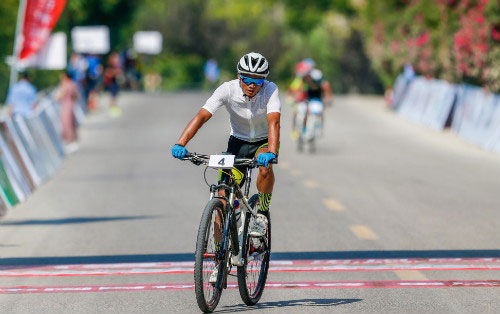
<point x="211" y="72"/>
<point x="68" y="95"/>
<point x="111" y="76"/>
<point x="93" y="73"/>
<point x="77" y="68"/>
<point x="22" y="97"/>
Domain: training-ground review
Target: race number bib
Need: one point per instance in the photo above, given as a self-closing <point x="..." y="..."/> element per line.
<point x="221" y="161"/>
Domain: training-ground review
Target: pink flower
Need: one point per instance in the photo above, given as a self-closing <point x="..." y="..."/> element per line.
<point x="495" y="34"/>
<point x="423" y="39"/>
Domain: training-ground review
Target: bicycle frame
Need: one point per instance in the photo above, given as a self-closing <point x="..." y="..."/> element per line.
<point x="234" y="192"/>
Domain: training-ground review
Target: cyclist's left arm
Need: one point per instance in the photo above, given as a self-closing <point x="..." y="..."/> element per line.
<point x="327" y="92"/>
<point x="273" y="120"/>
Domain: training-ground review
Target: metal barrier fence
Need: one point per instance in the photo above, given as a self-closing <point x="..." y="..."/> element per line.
<point x="31" y="151"/>
<point x="472" y="112"/>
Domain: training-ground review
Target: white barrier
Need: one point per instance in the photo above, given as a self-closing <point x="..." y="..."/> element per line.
<point x="475" y="112"/>
<point x="428" y="102"/>
<point x="31" y="151"/>
<point x="474" y="116"/>
<point x="14" y="172"/>
<point x="19" y="150"/>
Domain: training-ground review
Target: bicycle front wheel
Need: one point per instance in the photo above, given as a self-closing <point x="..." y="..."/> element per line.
<point x="209" y="266"/>
<point x="252" y="275"/>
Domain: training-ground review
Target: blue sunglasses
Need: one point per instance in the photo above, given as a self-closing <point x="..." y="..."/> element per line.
<point x="249" y="80"/>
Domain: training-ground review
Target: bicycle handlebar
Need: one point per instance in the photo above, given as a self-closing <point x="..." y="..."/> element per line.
<point x="199" y="159"/>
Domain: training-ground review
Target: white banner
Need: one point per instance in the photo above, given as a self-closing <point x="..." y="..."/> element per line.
<point x="149" y="42"/>
<point x="90" y="39"/>
<point x="52" y="56"/>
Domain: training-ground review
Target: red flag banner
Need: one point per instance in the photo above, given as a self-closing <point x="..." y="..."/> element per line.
<point x="40" y="18"/>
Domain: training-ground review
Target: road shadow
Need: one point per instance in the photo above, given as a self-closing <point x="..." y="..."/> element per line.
<point x="73" y="220"/>
<point x="276" y="256"/>
<point x="286" y="304"/>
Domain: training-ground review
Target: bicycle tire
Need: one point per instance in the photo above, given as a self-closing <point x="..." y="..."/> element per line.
<point x="251" y="292"/>
<point x="208" y="295"/>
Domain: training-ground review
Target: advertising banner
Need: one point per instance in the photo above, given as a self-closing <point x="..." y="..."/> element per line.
<point x="6" y="186"/>
<point x="3" y="205"/>
<point x="52" y="56"/>
<point x="440" y="104"/>
<point x="39" y="20"/>
<point x="399" y="91"/>
<point x="90" y="39"/>
<point x="16" y="176"/>
<point x="148" y="42"/>
<point x="493" y="141"/>
<point x="31" y="147"/>
<point x="46" y="151"/>
<point x="17" y="148"/>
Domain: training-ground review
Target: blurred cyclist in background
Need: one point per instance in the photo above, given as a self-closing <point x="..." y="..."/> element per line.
<point x="318" y="93"/>
<point x="296" y="94"/>
<point x="112" y="74"/>
<point x="92" y="76"/>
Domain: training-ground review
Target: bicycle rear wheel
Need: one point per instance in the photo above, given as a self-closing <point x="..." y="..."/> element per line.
<point x="252" y="275"/>
<point x="209" y="257"/>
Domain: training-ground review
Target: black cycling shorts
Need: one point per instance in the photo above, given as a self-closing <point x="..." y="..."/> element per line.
<point x="242" y="149"/>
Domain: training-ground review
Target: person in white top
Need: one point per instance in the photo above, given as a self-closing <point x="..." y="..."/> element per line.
<point x="254" y="115"/>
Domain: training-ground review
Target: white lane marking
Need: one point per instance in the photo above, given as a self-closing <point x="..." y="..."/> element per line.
<point x="269" y="285"/>
<point x="299" y="266"/>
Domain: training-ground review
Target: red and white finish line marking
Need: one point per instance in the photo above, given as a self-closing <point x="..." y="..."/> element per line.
<point x="276" y="266"/>
<point x="269" y="285"/>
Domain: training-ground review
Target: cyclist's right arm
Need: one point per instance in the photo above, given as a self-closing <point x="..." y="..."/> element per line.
<point x="218" y="98"/>
<point x="193" y="126"/>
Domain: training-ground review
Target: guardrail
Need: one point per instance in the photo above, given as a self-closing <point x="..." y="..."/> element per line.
<point x="470" y="111"/>
<point x="31" y="151"/>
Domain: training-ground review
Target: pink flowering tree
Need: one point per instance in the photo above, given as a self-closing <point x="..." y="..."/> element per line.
<point x="455" y="40"/>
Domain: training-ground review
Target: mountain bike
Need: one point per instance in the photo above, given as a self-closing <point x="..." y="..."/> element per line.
<point x="311" y="125"/>
<point x="223" y="239"/>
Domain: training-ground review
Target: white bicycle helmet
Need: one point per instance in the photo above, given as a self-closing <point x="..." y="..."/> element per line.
<point x="253" y="63"/>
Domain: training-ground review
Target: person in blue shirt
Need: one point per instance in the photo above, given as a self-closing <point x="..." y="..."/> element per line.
<point x="22" y="97"/>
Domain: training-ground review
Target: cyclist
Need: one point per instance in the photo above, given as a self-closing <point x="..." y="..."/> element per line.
<point x="296" y="94"/>
<point x="318" y="92"/>
<point x="254" y="115"/>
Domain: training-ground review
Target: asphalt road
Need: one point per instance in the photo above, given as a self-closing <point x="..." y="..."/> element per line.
<point x="386" y="217"/>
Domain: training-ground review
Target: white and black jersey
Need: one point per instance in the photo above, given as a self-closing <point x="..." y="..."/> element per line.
<point x="247" y="116"/>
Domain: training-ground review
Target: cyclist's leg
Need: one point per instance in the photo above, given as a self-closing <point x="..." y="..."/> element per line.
<point x="265" y="181"/>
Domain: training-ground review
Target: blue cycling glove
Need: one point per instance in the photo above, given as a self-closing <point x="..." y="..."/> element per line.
<point x="265" y="158"/>
<point x="179" y="151"/>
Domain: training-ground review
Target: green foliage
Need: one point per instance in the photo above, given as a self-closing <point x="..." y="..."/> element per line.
<point x="8" y="15"/>
<point x="285" y="31"/>
<point x="178" y="72"/>
<point x="452" y="40"/>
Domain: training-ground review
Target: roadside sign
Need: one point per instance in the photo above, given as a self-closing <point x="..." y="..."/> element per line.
<point x="90" y="39"/>
<point x="148" y="42"/>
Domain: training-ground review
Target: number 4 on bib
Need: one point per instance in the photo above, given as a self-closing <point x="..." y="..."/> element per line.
<point x="221" y="161"/>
